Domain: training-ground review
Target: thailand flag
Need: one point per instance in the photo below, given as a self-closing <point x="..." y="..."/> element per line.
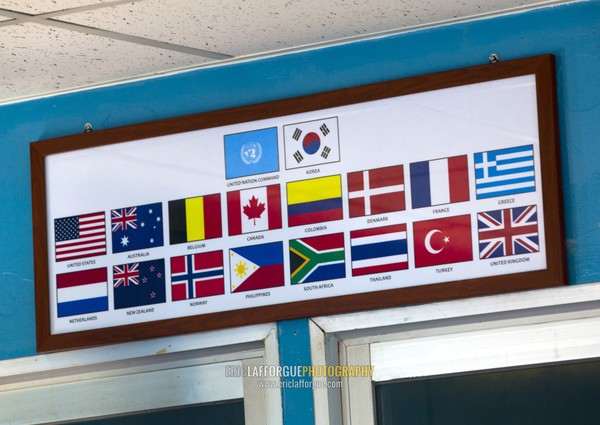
<point x="438" y="182"/>
<point x="379" y="250"/>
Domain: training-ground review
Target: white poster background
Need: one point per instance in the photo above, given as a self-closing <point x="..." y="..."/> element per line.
<point x="400" y="130"/>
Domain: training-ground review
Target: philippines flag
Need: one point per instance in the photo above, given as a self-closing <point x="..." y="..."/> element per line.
<point x="441" y="181"/>
<point x="504" y="172"/>
<point x="311" y="143"/>
<point x="256" y="267"/>
<point x="254" y="210"/>
<point x="508" y="232"/>
<point x="376" y="191"/>
<point x="80" y="236"/>
<point x="197" y="275"/>
<point x="443" y="241"/>
<point x="379" y="250"/>
<point x="82" y="292"/>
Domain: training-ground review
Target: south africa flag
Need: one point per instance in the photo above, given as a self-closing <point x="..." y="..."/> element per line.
<point x="317" y="258"/>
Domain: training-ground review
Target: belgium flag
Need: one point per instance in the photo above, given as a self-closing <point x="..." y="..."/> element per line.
<point x="195" y="219"/>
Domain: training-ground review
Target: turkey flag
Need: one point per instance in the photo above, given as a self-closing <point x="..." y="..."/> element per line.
<point x="443" y="241"/>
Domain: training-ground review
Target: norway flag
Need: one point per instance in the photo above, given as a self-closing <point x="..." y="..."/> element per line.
<point x="441" y="181"/>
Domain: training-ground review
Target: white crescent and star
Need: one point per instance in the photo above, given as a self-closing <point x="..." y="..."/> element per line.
<point x="428" y="246"/>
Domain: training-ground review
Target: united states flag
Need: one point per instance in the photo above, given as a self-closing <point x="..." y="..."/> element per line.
<point x="80" y="236"/>
<point x="508" y="232"/>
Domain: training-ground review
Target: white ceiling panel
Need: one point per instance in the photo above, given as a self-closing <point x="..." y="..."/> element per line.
<point x="49" y="46"/>
<point x="45" y="6"/>
<point x="241" y="28"/>
<point x="39" y="59"/>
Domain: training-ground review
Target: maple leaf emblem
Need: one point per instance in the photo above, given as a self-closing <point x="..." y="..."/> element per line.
<point x="254" y="209"/>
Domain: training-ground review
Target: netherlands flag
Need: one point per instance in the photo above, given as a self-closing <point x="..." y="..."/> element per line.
<point x="438" y="182"/>
<point x="82" y="292"/>
<point x="379" y="250"/>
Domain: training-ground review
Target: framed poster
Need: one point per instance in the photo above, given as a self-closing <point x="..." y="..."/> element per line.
<point x="423" y="189"/>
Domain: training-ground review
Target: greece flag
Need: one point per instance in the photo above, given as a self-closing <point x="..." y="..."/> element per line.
<point x="504" y="172"/>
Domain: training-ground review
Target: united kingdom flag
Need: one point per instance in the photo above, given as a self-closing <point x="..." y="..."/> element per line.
<point x="507" y="232"/>
<point x="124" y="218"/>
<point x="126" y="274"/>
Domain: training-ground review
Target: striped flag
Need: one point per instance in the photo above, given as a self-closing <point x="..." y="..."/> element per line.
<point x="315" y="200"/>
<point x="311" y="143"/>
<point x="441" y="181"/>
<point x="504" y="172"/>
<point x="197" y="275"/>
<point x="82" y="292"/>
<point x="80" y="236"/>
<point x="195" y="219"/>
<point x="254" y="210"/>
<point x="317" y="258"/>
<point x="376" y="191"/>
<point x="379" y="250"/>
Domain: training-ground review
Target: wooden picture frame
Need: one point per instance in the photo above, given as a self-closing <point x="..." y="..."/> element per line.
<point x="298" y="170"/>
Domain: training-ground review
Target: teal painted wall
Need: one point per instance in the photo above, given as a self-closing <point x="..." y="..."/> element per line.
<point x="571" y="32"/>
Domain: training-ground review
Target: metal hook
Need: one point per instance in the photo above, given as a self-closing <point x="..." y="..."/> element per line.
<point x="87" y="128"/>
<point x="494" y="58"/>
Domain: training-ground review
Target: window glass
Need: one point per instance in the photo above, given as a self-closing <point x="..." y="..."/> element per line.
<point x="227" y="413"/>
<point x="557" y="394"/>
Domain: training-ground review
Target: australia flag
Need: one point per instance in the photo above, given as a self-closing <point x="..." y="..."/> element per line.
<point x="135" y="228"/>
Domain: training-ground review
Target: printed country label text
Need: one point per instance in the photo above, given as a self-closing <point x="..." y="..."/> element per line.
<point x="321" y="286"/>
<point x="258" y="295"/>
<point x="83" y="319"/>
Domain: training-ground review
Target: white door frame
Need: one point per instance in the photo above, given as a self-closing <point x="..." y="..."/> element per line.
<point x="501" y="331"/>
<point x="142" y="375"/>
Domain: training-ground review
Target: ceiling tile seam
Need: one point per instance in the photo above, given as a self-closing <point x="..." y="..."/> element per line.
<point x="70" y="11"/>
<point x="134" y="39"/>
<point x="87" y="8"/>
<point x="19" y="18"/>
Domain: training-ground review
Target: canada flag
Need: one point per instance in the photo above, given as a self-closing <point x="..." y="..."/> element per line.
<point x="443" y="241"/>
<point x="254" y="210"/>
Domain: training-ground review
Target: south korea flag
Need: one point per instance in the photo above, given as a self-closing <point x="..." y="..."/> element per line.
<point x="311" y="143"/>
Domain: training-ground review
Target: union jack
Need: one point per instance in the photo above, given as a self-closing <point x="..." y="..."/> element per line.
<point x="124" y="218"/>
<point x="508" y="232"/>
<point x="126" y="274"/>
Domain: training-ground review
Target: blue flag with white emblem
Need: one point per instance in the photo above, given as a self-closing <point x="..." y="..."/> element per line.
<point x="250" y="153"/>
<point x="135" y="228"/>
